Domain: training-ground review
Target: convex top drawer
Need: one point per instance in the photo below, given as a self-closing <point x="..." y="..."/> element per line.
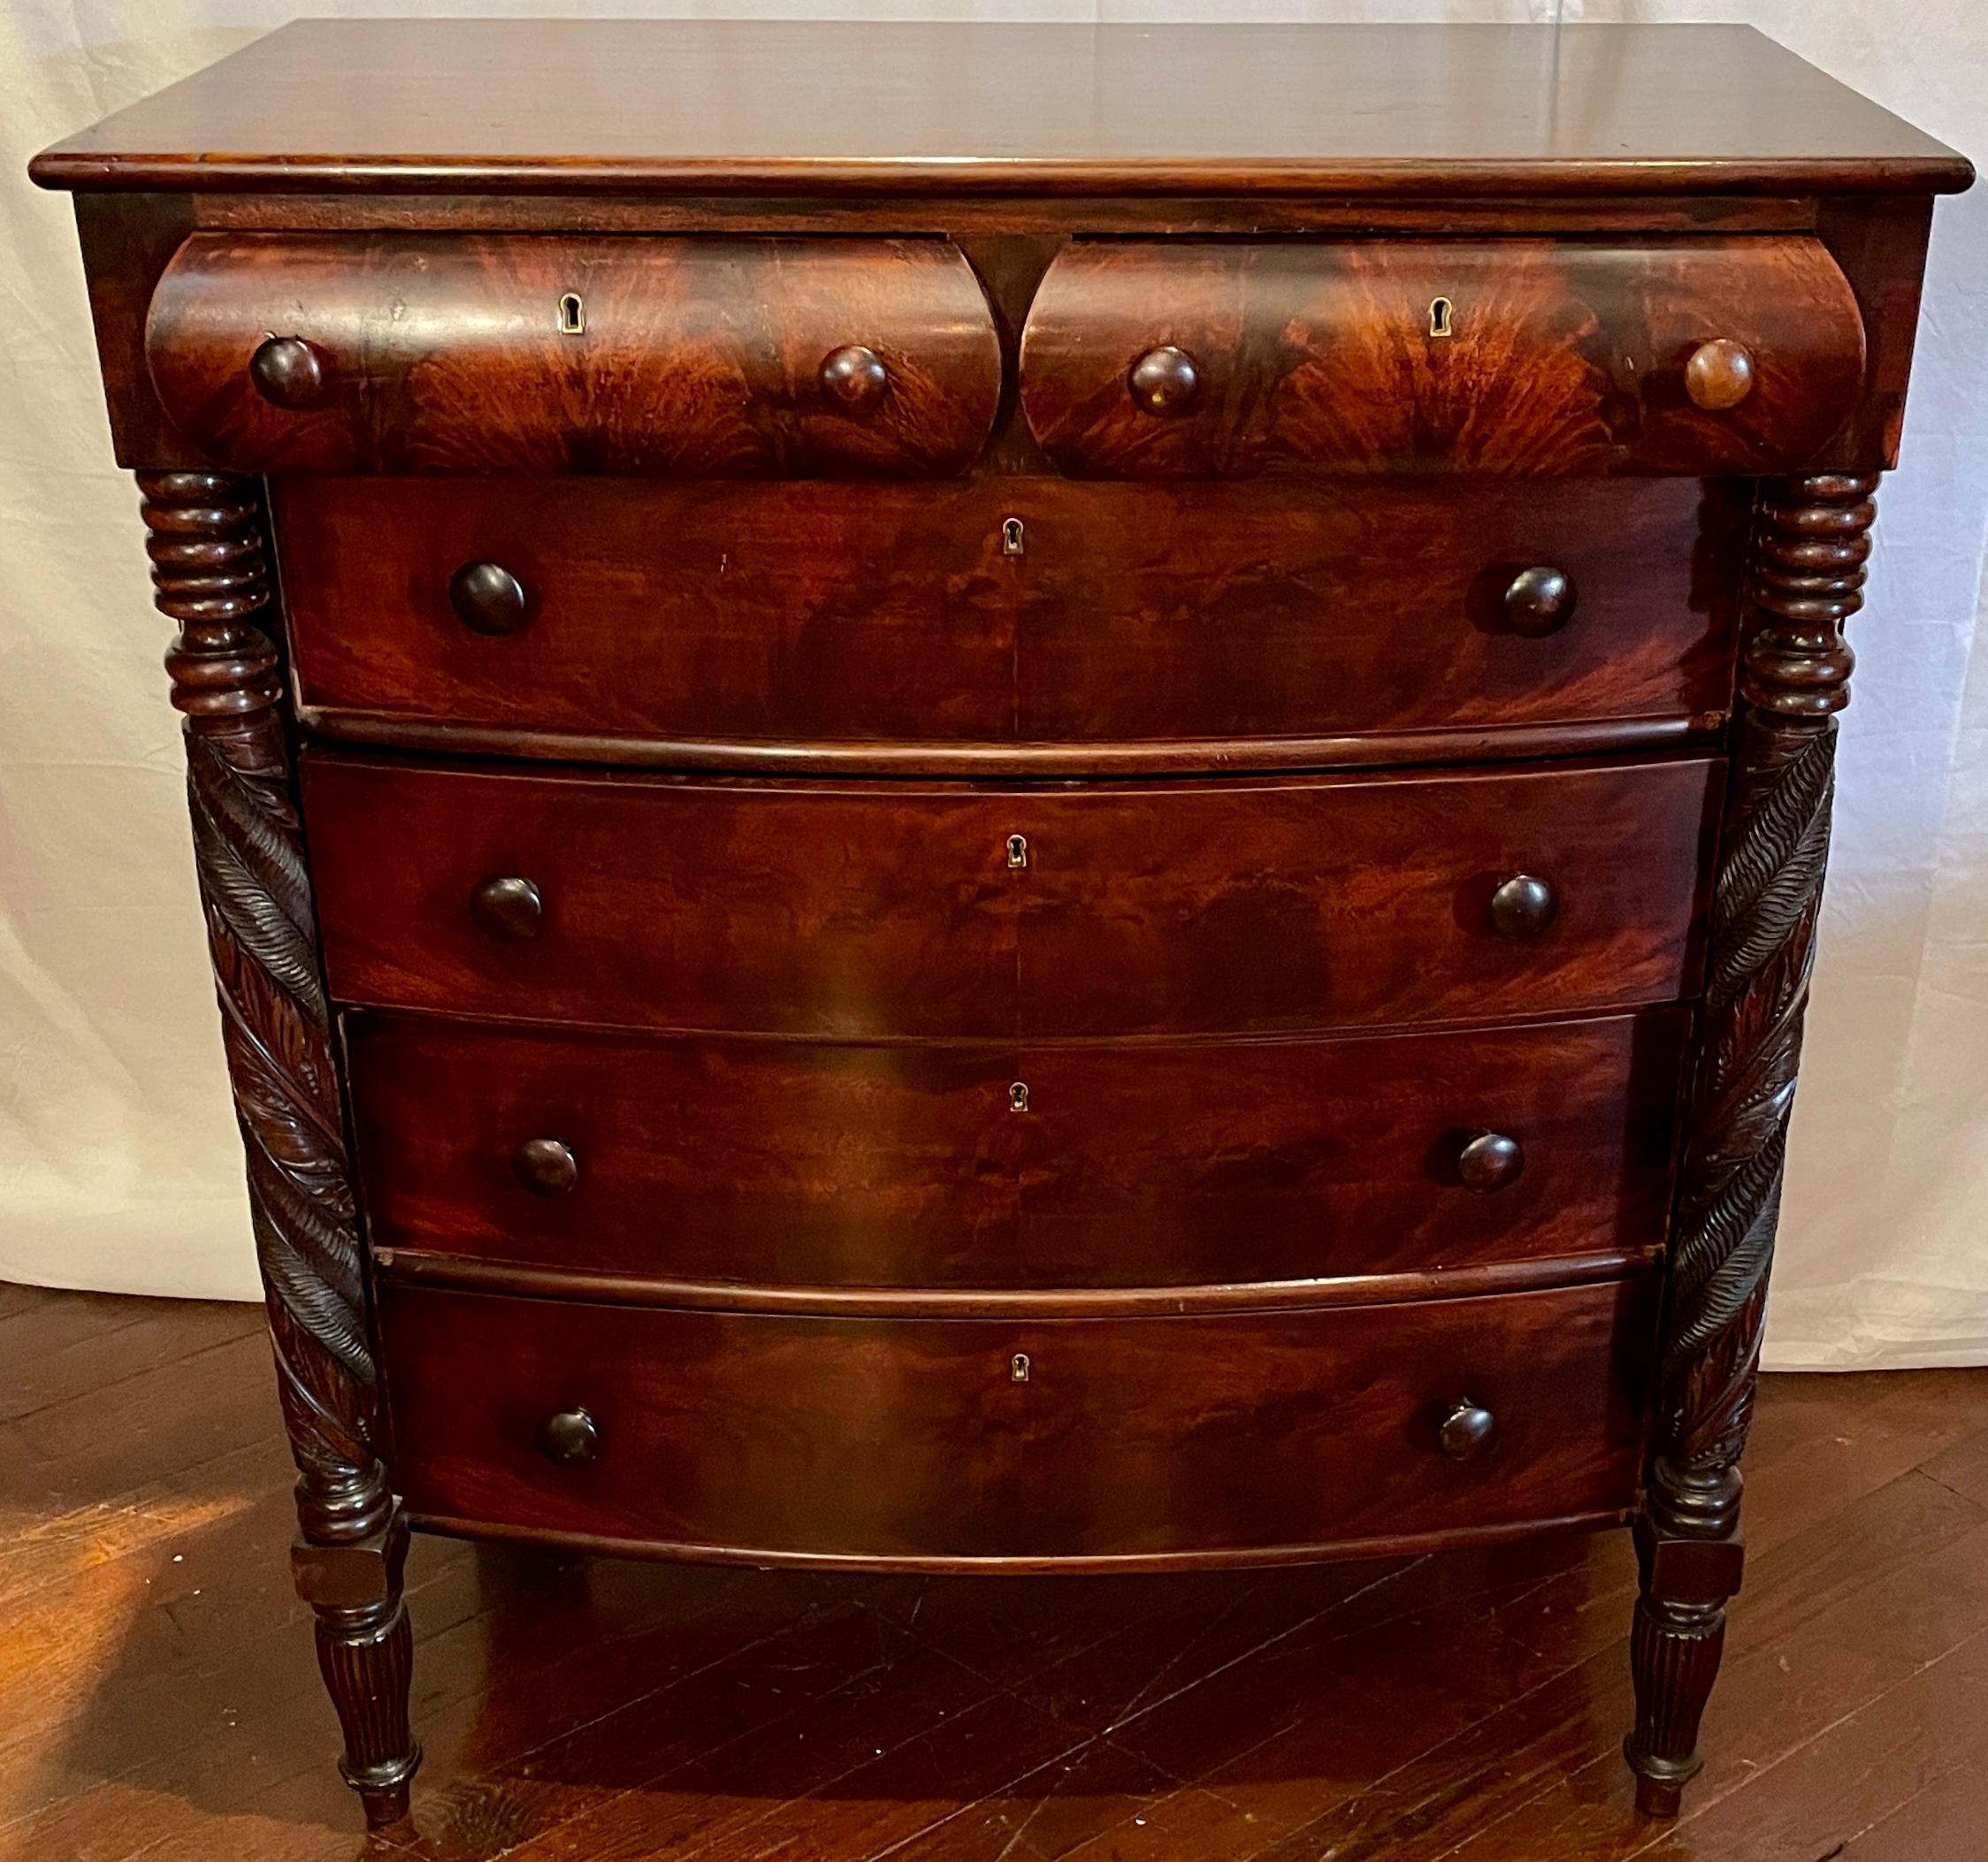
<point x="796" y="357"/>
<point x="1197" y="359"/>
<point x="724" y="358"/>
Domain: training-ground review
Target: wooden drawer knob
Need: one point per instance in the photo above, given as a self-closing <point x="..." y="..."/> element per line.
<point x="1523" y="906"/>
<point x="1540" y="601"/>
<point x="288" y="372"/>
<point x="546" y="1166"/>
<point x="855" y="379"/>
<point x="1720" y="374"/>
<point x="1490" y="1161"/>
<point x="1165" y="381"/>
<point x="1467" y="1431"/>
<point x="487" y="597"/>
<point x="569" y="1437"/>
<point x="508" y="909"/>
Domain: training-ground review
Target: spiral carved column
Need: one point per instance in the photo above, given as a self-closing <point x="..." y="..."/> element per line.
<point x="1806" y="579"/>
<point x="210" y="572"/>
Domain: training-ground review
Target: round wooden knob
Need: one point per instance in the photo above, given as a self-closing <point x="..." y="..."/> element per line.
<point x="487" y="597"/>
<point x="1467" y="1431"/>
<point x="1523" y="906"/>
<point x="569" y="1437"/>
<point x="1538" y="601"/>
<point x="545" y="1166"/>
<point x="1489" y="1160"/>
<point x="507" y="910"/>
<point x="288" y="372"/>
<point x="855" y="379"/>
<point x="1165" y="381"/>
<point x="1720" y="374"/>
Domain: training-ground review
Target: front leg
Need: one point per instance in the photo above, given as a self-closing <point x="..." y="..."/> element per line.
<point x="210" y="567"/>
<point x="1806" y="579"/>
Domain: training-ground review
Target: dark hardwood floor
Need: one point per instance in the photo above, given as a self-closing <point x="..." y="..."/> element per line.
<point x="158" y="1696"/>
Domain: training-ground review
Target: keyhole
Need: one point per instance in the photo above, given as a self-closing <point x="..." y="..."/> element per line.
<point x="1018" y="1096"/>
<point x="572" y="315"/>
<point x="1439" y="317"/>
<point x="1018" y="850"/>
<point x="1011" y="536"/>
<point x="1018" y="1367"/>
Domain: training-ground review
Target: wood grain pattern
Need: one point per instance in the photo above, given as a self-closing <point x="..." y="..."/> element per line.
<point x="1153" y="1164"/>
<point x="850" y="913"/>
<point x="1561" y="358"/>
<point x="210" y="567"/>
<point x="903" y="1440"/>
<point x="700" y="357"/>
<point x="884" y="618"/>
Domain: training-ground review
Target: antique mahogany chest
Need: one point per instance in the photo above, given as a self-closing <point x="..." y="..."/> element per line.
<point x="993" y="798"/>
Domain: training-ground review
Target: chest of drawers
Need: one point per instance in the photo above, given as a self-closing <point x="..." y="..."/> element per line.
<point x="1009" y="798"/>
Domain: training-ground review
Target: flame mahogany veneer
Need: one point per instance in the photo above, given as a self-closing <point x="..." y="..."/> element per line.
<point x="1069" y="818"/>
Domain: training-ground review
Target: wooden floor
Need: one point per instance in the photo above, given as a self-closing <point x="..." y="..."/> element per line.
<point x="158" y="1697"/>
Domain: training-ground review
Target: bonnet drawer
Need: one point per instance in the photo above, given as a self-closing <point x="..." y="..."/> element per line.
<point x="728" y="358"/>
<point x="1207" y="359"/>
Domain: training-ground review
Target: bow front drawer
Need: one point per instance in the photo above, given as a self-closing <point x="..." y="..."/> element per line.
<point x="1111" y="1439"/>
<point x="1199" y="359"/>
<point x="853" y="911"/>
<point x="1014" y="1164"/>
<point x="835" y="622"/>
<point x="730" y="358"/>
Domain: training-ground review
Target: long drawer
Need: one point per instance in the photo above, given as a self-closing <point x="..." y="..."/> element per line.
<point x="1154" y="1438"/>
<point x="687" y="621"/>
<point x="709" y="1158"/>
<point x="905" y="911"/>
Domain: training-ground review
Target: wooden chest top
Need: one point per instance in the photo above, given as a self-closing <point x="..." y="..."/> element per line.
<point x="413" y="106"/>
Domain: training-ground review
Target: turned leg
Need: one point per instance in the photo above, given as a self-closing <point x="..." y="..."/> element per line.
<point x="209" y="567"/>
<point x="1804" y="580"/>
<point x="365" y="1652"/>
<point x="1674" y="1649"/>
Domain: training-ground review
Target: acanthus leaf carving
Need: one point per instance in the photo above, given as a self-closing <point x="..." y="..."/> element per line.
<point x="210" y="573"/>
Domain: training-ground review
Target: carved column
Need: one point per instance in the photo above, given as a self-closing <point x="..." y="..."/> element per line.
<point x="209" y="564"/>
<point x="1806" y="573"/>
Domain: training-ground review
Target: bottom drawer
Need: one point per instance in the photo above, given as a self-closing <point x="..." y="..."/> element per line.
<point x="1208" y="1437"/>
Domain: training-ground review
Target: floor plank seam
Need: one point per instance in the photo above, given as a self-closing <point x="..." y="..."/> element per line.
<point x="848" y="1682"/>
<point x="1127" y="1718"/>
<point x="96" y="1392"/>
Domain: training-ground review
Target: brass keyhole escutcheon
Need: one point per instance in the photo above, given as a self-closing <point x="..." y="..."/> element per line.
<point x="1018" y="1096"/>
<point x="1011" y="536"/>
<point x="1018" y="1368"/>
<point x="572" y="315"/>
<point x="1018" y="850"/>
<point x="1441" y="314"/>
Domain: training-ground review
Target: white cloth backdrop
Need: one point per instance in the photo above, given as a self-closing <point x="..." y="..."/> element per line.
<point x="118" y="1162"/>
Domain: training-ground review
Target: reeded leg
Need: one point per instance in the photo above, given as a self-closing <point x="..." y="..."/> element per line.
<point x="1806" y="579"/>
<point x="365" y="1652"/>
<point x="209" y="567"/>
<point x="1674" y="1650"/>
